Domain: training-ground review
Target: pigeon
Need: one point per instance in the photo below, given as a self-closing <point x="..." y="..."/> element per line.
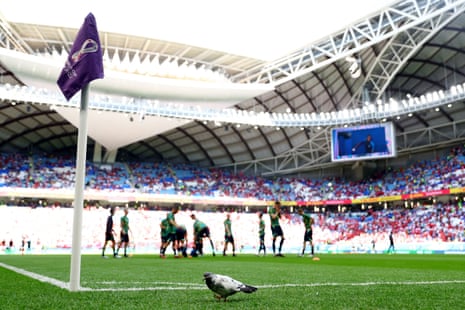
<point x="224" y="286"/>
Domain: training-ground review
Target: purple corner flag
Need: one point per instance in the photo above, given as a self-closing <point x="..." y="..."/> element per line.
<point x="85" y="60"/>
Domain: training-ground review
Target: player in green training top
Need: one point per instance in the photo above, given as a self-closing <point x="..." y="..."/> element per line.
<point x="201" y="231"/>
<point x="261" y="233"/>
<point x="124" y="234"/>
<point x="308" y="236"/>
<point x="276" y="230"/>
<point x="170" y="231"/>
<point x="228" y="236"/>
<point x="164" y="232"/>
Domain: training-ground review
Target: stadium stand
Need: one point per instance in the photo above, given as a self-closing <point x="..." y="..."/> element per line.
<point x="442" y="173"/>
<point x="418" y="225"/>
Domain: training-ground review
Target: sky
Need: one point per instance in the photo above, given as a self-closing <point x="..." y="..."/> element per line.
<point x="261" y="29"/>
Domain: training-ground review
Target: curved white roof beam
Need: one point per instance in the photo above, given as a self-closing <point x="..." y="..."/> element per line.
<point x="33" y="68"/>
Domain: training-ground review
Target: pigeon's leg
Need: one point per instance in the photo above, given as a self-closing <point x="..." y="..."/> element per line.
<point x="219" y="297"/>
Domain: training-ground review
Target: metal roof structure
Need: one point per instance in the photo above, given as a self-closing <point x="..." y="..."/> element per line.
<point x="408" y="49"/>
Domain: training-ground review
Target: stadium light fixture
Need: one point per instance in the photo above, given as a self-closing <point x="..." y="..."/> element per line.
<point x="155" y="107"/>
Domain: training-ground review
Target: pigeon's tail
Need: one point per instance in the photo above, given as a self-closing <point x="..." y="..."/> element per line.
<point x="248" y="289"/>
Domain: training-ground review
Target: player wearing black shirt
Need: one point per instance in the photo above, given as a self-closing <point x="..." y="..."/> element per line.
<point x="109" y="234"/>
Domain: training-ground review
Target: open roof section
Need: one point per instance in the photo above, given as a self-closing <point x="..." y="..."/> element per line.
<point x="264" y="30"/>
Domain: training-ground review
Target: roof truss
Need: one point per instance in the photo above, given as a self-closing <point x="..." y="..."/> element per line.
<point x="389" y="22"/>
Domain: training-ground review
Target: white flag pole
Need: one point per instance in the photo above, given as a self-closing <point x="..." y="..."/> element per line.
<point x="75" y="273"/>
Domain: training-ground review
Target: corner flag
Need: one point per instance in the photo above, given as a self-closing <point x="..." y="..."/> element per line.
<point x="85" y="60"/>
<point x="84" y="64"/>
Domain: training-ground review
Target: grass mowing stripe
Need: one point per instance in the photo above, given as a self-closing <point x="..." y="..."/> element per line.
<point x="147" y="282"/>
<point x="196" y="286"/>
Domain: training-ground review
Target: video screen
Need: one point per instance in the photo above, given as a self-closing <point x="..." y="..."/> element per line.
<point x="363" y="142"/>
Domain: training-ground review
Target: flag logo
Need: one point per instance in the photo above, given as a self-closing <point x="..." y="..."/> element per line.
<point x="89" y="46"/>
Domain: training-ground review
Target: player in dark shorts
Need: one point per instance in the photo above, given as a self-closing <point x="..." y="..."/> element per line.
<point x="308" y="235"/>
<point x="201" y="231"/>
<point x="391" y="248"/>
<point x="261" y="234"/>
<point x="228" y="236"/>
<point x="276" y="230"/>
<point x="164" y="236"/>
<point x="171" y="231"/>
<point x="181" y="239"/>
<point x="124" y="234"/>
<point x="109" y="234"/>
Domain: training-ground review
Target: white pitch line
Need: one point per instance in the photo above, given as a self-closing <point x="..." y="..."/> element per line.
<point x="146" y="282"/>
<point x="36" y="276"/>
<point x="362" y="283"/>
<point x="159" y="288"/>
<point x="197" y="286"/>
<point x="194" y="286"/>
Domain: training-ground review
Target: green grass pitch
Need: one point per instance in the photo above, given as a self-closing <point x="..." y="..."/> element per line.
<point x="148" y="282"/>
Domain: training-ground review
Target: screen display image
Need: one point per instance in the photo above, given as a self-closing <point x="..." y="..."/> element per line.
<point x="363" y="142"/>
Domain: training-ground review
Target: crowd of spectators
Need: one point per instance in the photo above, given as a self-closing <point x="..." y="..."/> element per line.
<point x="57" y="172"/>
<point x="430" y="226"/>
<point x="433" y="222"/>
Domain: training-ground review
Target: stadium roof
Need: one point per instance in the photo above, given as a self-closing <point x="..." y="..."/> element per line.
<point x="262" y="30"/>
<point x="273" y="59"/>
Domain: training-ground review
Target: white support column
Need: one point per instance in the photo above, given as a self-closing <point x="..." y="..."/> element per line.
<point x="97" y="158"/>
<point x="110" y="156"/>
